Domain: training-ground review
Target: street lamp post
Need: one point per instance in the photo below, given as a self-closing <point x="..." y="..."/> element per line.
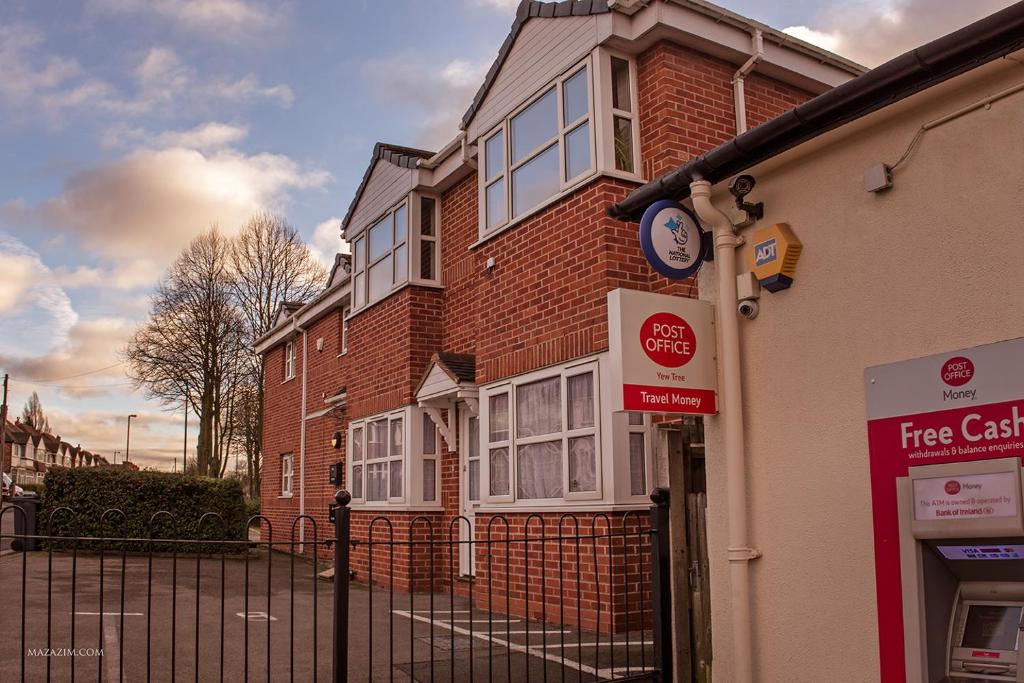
<point x="128" y="439"/>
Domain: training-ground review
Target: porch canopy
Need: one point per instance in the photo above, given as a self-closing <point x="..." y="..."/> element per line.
<point x="449" y="378"/>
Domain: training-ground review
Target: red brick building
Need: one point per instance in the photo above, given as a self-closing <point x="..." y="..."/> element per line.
<point x="461" y="351"/>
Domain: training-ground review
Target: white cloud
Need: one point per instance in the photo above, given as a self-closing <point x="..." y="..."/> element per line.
<point x="871" y="32"/>
<point x="437" y="94"/>
<point x="35" y="312"/>
<point x="90" y="345"/>
<point x="228" y="20"/>
<point x="24" y="74"/>
<point x="504" y="5"/>
<point x="136" y="213"/>
<point x="209" y="136"/>
<point x="326" y="241"/>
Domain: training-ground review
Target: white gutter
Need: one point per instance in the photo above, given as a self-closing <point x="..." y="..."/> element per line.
<point x="739" y="78"/>
<point x="740" y="552"/>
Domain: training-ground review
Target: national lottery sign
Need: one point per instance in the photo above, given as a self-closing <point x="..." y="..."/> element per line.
<point x="662" y="351"/>
<point x="672" y="240"/>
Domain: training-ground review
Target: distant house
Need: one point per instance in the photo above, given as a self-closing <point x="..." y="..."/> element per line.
<point x="29" y="452"/>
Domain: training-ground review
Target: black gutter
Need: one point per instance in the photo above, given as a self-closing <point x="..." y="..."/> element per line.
<point x="940" y="60"/>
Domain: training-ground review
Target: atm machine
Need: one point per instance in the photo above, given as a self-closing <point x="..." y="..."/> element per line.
<point x="962" y="571"/>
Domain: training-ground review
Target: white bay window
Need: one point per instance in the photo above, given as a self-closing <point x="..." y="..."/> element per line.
<point x="542" y="438"/>
<point x="391" y="457"/>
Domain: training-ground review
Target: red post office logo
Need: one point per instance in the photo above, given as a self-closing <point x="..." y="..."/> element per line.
<point x="952" y="487"/>
<point x="957" y="371"/>
<point x="668" y="340"/>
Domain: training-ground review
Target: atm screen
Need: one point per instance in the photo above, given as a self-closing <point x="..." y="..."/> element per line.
<point x="992" y="627"/>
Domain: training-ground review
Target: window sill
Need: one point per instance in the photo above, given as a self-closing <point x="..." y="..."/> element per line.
<point x="561" y="506"/>
<point x="618" y="175"/>
<point x="289" y="379"/>
<point x="285" y="495"/>
<point x="395" y="507"/>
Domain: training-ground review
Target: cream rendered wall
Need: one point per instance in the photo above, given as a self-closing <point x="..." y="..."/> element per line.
<point x="934" y="264"/>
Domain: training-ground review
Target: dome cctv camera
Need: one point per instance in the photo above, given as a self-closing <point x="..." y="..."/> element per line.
<point x="748" y="308"/>
<point x="742" y="185"/>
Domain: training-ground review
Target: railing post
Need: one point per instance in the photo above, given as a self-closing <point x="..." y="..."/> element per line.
<point x="342" y="535"/>
<point x="661" y="586"/>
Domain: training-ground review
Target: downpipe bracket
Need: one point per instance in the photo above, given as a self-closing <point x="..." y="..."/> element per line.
<point x="743" y="554"/>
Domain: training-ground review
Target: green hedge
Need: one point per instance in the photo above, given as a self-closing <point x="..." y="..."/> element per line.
<point x="140" y="495"/>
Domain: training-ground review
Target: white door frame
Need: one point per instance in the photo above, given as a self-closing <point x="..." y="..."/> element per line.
<point x="467" y="558"/>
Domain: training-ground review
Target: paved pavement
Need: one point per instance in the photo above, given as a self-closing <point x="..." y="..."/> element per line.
<point x="6" y="528"/>
<point x="389" y="640"/>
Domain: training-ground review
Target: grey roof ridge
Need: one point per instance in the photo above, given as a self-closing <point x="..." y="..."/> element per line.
<point x="398" y="155"/>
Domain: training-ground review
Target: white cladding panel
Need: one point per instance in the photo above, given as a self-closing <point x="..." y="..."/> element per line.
<point x="387" y="186"/>
<point x="544" y="49"/>
<point x="437" y="382"/>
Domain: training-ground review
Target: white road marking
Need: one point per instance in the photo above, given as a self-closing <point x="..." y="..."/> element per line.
<point x="481" y="621"/>
<point x="256" y="616"/>
<point x="111" y="651"/>
<point x="514" y="647"/>
<point x="109" y="614"/>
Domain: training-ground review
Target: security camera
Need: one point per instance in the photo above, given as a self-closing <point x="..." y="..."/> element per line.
<point x="748" y="308"/>
<point x="740" y="187"/>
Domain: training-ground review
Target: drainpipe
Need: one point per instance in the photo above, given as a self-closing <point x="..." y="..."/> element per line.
<point x="740" y="552"/>
<point x="738" y="88"/>
<point x="302" y="441"/>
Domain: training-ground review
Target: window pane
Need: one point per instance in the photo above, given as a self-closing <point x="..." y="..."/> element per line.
<point x="577" y="151"/>
<point x="574" y="97"/>
<point x="357" y="254"/>
<point x="380" y="238"/>
<point x="581" y="400"/>
<point x="376" y="481"/>
<point x="397" y="438"/>
<point x="637" y="465"/>
<point x="534" y="125"/>
<point x="499" y="418"/>
<point x="499" y="484"/>
<point x="494" y="152"/>
<point x="429" y="480"/>
<point x="539" y="408"/>
<point x="401" y="264"/>
<point x="357" y="481"/>
<point x="539" y="470"/>
<point x="495" y="201"/>
<point x="582" y="464"/>
<point x="427" y="250"/>
<point x="376" y="440"/>
<point x="623" y="141"/>
<point x="401" y="224"/>
<point x="620" y="85"/>
<point x="636" y="418"/>
<point x="358" y="286"/>
<point x="380" y="279"/>
<point x="396" y="479"/>
<point x="535" y="181"/>
<point x="474" y="437"/>
<point x="357" y="444"/>
<point x="474" y="480"/>
<point x="429" y="436"/>
<point x="427" y="216"/>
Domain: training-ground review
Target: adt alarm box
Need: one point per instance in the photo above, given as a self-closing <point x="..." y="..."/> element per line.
<point x="962" y="569"/>
<point x="334" y="474"/>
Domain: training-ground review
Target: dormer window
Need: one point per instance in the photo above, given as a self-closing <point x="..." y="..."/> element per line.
<point x="543" y="148"/>
<point x="381" y="254"/>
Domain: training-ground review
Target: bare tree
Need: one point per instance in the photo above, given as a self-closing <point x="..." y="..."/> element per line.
<point x="32" y="414"/>
<point x="194" y="344"/>
<point x="270" y="265"/>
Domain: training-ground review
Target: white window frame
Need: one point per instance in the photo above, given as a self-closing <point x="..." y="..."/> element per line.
<point x="289" y="360"/>
<point x="562" y="130"/>
<point x="412" y="458"/>
<point x="417" y="239"/>
<point x="425" y="456"/>
<point x="361" y="263"/>
<point x="590" y="366"/>
<point x="643" y="429"/>
<point x="606" y="114"/>
<point x="287" y="475"/>
<point x="346" y="312"/>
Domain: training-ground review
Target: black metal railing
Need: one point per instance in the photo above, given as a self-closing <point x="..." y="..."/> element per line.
<point x="554" y="597"/>
<point x="588" y="597"/>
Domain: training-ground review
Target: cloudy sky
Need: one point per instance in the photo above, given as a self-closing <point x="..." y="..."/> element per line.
<point x="129" y="126"/>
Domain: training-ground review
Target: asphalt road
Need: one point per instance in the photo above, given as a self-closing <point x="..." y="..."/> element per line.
<point x="156" y="638"/>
